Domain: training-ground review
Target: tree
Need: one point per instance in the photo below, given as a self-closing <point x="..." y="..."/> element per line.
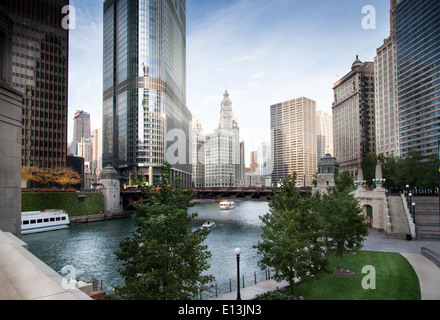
<point x="66" y="177"/>
<point x="369" y="168"/>
<point x="292" y="236"/>
<point x="165" y="258"/>
<point x="345" y="227"/>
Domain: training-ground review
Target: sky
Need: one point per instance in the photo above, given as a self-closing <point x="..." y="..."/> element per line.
<point x="263" y="52"/>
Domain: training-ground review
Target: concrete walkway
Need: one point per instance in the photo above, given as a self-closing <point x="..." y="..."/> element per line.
<point x="24" y="277"/>
<point x="426" y="270"/>
<point x="251" y="292"/>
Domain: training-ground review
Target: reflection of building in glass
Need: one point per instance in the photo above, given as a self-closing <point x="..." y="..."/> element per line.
<point x="417" y="26"/>
<point x="39" y="71"/>
<point x="353" y="116"/>
<point x="145" y="87"/>
<point x="293" y="145"/>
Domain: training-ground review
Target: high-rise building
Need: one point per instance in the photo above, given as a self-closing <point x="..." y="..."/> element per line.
<point x="386" y="102"/>
<point x="198" y="154"/>
<point x="353" y="116"/>
<point x="81" y="126"/>
<point x="224" y="165"/>
<point x="293" y="141"/>
<point x="417" y="26"/>
<point x="97" y="151"/>
<point x="324" y="132"/>
<point x="40" y="47"/>
<point x="144" y="88"/>
<point x="264" y="163"/>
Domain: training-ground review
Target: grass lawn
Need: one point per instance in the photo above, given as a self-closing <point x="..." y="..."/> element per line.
<point x="395" y="279"/>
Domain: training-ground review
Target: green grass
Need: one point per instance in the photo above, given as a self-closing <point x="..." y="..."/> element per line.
<point x="395" y="279"/>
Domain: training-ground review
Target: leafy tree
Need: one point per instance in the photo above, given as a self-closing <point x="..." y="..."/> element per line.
<point x="292" y="236"/>
<point x="165" y="258"/>
<point x="369" y="168"/>
<point x="345" y="226"/>
<point x="66" y="177"/>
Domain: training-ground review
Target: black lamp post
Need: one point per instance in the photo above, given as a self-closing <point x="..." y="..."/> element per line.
<point x="414" y="212"/>
<point x="409" y="199"/>
<point x="237" y="253"/>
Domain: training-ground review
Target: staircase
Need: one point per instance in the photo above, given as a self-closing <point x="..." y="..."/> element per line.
<point x="427" y="218"/>
<point x="399" y="222"/>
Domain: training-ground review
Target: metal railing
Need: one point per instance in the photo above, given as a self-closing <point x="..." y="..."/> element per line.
<point x="228" y="286"/>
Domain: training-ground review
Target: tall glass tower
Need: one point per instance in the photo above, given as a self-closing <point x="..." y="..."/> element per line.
<point x="417" y="25"/>
<point x="144" y="98"/>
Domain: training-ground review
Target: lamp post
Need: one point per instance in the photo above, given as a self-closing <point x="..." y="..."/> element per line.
<point x="409" y="198"/>
<point x="414" y="212"/>
<point x="237" y="253"/>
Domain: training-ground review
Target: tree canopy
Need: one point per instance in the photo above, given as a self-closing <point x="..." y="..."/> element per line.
<point x="164" y="259"/>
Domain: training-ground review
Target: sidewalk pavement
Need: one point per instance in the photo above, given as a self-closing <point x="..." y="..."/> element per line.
<point x="251" y="292"/>
<point x="427" y="271"/>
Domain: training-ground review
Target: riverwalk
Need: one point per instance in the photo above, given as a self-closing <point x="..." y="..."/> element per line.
<point x="427" y="271"/>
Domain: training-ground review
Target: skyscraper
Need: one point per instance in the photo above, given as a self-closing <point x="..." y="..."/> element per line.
<point x="198" y="154"/>
<point x="353" y="116"/>
<point x="144" y="104"/>
<point x="81" y="126"/>
<point x="223" y="159"/>
<point x="417" y="26"/>
<point x="293" y="141"/>
<point x="386" y="102"/>
<point x="324" y="131"/>
<point x="40" y="48"/>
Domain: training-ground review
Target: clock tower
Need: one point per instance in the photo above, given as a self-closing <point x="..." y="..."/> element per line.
<point x="227" y="120"/>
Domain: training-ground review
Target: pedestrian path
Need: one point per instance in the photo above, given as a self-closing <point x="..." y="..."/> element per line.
<point x="427" y="271"/>
<point x="251" y="292"/>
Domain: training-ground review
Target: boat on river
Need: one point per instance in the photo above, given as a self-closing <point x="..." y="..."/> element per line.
<point x="227" y="205"/>
<point x="42" y="221"/>
<point x="208" y="224"/>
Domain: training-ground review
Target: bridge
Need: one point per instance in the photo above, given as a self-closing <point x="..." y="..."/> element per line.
<point x="134" y="195"/>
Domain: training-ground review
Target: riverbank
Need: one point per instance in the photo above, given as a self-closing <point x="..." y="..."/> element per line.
<point x="75" y="220"/>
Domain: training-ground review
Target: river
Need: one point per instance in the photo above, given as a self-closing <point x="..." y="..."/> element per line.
<point x="90" y="248"/>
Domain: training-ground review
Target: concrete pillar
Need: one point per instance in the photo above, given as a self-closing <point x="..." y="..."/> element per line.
<point x="11" y="107"/>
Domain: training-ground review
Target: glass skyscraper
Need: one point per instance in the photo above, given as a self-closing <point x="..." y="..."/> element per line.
<point x="144" y="98"/>
<point x="417" y="25"/>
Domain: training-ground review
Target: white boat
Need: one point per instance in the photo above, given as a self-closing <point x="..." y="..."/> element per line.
<point x="41" y="221"/>
<point x="208" y="224"/>
<point x="227" y="205"/>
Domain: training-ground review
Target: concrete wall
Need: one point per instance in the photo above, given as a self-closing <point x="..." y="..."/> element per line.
<point x="25" y="277"/>
<point x="10" y="163"/>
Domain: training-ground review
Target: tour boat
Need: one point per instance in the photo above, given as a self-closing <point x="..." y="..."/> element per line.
<point x="227" y="205"/>
<point x="41" y="221"/>
<point x="208" y="224"/>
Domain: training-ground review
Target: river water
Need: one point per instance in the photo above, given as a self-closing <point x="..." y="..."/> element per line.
<point x="89" y="248"/>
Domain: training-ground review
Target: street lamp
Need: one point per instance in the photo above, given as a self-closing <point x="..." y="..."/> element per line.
<point x="414" y="212"/>
<point x="237" y="253"/>
<point x="409" y="198"/>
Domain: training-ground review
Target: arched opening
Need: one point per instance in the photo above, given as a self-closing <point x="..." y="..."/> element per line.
<point x="368" y="212"/>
